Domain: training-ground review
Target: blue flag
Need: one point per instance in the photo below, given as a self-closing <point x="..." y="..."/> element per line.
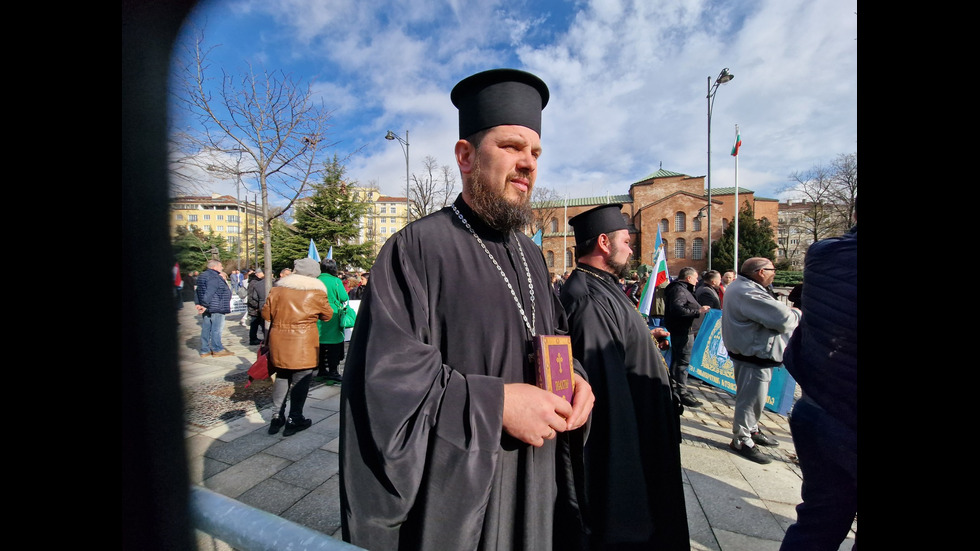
<point x="330" y="252"/>
<point x="537" y="238"/>
<point x="313" y="252"/>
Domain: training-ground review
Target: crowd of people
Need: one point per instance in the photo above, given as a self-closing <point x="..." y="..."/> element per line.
<point x="447" y="439"/>
<point x="288" y="317"/>
<point x="241" y="283"/>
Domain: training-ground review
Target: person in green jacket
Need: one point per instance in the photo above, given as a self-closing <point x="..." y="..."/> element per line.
<point x="332" y="332"/>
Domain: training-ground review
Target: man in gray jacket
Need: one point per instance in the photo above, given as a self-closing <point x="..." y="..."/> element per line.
<point x="755" y="327"/>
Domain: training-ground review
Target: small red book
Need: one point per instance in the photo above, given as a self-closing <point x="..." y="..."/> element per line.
<point x="554" y="356"/>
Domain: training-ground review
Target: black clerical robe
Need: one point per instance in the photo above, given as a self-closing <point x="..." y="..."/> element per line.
<point x="634" y="486"/>
<point x="424" y="460"/>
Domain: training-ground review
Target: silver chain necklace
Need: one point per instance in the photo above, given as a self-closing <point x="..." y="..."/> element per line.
<point x="527" y="273"/>
<point x="600" y="278"/>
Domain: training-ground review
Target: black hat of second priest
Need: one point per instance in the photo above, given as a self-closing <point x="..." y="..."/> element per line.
<point x="497" y="97"/>
<point x="602" y="219"/>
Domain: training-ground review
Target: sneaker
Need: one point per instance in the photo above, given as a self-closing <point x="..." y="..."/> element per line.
<point x="335" y="377"/>
<point x="276" y="424"/>
<point x="750" y="453"/>
<point x="690" y="401"/>
<point x="293" y="426"/>
<point x="224" y="352"/>
<point x="763" y="440"/>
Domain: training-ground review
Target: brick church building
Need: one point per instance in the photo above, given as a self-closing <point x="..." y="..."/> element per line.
<point x="668" y="199"/>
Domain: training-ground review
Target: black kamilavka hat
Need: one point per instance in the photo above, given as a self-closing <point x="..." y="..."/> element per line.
<point x="497" y="97"/>
<point x="602" y="219"/>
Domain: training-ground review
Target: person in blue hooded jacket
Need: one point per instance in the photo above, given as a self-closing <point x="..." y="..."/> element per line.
<point x="213" y="301"/>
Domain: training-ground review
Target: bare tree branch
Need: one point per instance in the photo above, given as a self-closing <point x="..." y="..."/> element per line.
<point x="548" y="206"/>
<point x="827" y="193"/>
<point x="260" y="125"/>
<point x="448" y="184"/>
<point x="845" y="177"/>
<point x="427" y="194"/>
<point x="424" y="193"/>
<point x="814" y="186"/>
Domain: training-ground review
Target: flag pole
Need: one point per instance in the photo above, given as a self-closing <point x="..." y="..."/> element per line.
<point x="738" y="144"/>
<point x="564" y="240"/>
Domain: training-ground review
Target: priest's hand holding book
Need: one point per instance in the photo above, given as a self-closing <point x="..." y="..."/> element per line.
<point x="533" y="415"/>
<point x="561" y="401"/>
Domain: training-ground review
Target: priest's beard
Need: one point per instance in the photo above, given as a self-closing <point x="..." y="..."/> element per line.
<point x="619" y="270"/>
<point x="499" y="213"/>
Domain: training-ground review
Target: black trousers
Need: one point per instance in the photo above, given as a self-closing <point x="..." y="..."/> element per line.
<point x="681" y="346"/>
<point x="253" y="328"/>
<point x="330" y="357"/>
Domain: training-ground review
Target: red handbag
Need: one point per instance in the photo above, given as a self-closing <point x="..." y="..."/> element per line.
<point x="259" y="369"/>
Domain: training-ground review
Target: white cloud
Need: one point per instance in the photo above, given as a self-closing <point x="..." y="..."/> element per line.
<point x="628" y="81"/>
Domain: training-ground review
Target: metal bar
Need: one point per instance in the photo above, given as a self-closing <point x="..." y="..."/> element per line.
<point x="246" y="528"/>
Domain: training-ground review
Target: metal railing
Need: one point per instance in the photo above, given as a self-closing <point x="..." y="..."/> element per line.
<point x="246" y="528"/>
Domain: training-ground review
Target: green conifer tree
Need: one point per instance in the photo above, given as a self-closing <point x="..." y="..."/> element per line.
<point x="193" y="249"/>
<point x="287" y="245"/>
<point x="755" y="238"/>
<point x="331" y="218"/>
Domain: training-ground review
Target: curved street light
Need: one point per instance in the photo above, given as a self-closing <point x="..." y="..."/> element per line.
<point x="723" y="77"/>
<point x="404" y="143"/>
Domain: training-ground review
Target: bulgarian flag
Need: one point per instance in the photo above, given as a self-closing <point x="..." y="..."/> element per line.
<point x="658" y="276"/>
<point x="738" y="143"/>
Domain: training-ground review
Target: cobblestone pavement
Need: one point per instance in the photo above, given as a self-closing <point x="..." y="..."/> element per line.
<point x="699" y="426"/>
<point x="221" y="397"/>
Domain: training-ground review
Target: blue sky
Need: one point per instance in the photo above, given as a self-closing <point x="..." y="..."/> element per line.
<point x="628" y="80"/>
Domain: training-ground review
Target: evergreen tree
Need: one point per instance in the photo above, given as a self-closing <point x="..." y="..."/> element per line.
<point x="193" y="249"/>
<point x="287" y="245"/>
<point x="190" y="249"/>
<point x="755" y="238"/>
<point x="330" y="217"/>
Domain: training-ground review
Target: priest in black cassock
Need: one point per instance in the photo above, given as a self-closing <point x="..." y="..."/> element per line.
<point x="634" y="489"/>
<point x="446" y="442"/>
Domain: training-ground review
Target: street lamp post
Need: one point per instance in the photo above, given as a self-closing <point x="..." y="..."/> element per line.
<point x="255" y="225"/>
<point x="238" y="210"/>
<point x="404" y="143"/>
<point x="723" y="77"/>
<point x="700" y="216"/>
<point x="247" y="252"/>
